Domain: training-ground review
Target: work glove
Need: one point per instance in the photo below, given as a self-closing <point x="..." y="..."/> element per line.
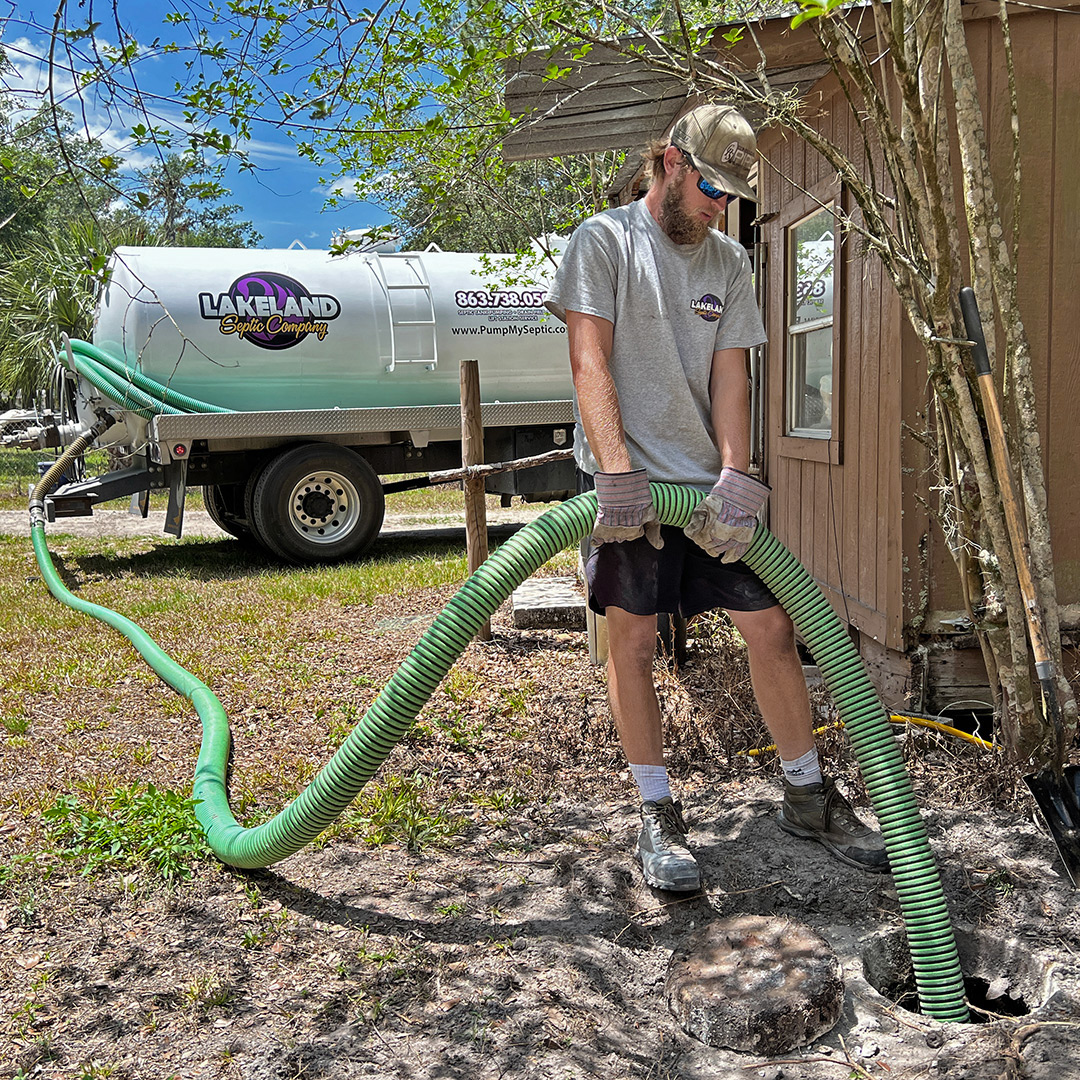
<point x="726" y="519"/>
<point x="625" y="508"/>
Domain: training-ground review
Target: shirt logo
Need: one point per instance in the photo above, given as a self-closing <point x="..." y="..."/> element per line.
<point x="709" y="307"/>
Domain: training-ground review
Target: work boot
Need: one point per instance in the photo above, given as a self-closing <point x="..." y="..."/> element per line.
<point x="665" y="859"/>
<point x="819" y="812"/>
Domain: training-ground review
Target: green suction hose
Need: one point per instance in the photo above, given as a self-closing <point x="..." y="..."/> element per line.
<point x="120" y="391"/>
<point x="935" y="960"/>
<point x="933" y="948"/>
<point x="103" y="369"/>
<point x="936" y="963"/>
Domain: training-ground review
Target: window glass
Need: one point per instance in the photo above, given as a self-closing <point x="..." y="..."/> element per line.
<point x="810" y="279"/>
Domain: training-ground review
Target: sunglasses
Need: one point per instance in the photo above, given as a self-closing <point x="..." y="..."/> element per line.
<point x="710" y="191"/>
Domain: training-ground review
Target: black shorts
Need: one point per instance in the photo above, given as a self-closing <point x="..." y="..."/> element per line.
<point x="680" y="578"/>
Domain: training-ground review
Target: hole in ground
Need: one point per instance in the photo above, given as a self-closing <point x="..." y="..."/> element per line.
<point x="976" y="991"/>
<point x="982" y="1003"/>
<point x="1001" y="978"/>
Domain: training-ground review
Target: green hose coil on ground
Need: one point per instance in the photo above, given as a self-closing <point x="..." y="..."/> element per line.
<point x="938" y="976"/>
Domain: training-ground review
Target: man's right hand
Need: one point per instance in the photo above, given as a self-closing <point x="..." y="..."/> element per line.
<point x="625" y="509"/>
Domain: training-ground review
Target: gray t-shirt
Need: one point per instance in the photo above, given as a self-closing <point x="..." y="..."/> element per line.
<point x="672" y="306"/>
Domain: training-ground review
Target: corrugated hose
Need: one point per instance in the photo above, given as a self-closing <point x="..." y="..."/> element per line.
<point x="935" y="959"/>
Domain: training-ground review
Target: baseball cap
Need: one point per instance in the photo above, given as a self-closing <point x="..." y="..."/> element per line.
<point x="722" y="143"/>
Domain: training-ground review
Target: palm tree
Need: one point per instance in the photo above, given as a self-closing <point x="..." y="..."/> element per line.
<point x="49" y="287"/>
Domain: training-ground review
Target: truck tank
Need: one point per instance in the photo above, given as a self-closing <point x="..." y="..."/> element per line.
<point x="255" y="330"/>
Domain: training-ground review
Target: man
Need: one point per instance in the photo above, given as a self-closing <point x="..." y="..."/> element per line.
<point x="660" y="312"/>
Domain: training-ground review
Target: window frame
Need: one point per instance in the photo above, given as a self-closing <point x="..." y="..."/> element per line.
<point x="801" y="443"/>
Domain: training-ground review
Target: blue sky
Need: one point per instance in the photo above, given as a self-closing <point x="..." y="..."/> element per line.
<point x="283" y="198"/>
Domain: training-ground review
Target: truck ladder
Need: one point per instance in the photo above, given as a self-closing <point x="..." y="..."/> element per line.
<point x="408" y="294"/>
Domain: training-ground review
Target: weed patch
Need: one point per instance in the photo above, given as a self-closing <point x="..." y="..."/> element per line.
<point x="131" y="828"/>
<point x="395" y="811"/>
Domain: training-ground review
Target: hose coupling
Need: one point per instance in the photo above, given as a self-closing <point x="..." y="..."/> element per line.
<point x="105" y="421"/>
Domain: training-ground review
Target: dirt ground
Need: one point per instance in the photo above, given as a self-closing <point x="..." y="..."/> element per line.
<point x="526" y="945"/>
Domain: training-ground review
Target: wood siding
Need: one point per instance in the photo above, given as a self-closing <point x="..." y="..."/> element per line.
<point x="1046" y="46"/>
<point x="837" y="507"/>
<point x="855" y="516"/>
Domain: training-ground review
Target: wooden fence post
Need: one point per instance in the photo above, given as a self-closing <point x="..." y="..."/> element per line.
<point x="472" y="453"/>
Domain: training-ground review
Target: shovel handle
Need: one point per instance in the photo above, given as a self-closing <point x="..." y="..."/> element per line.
<point x="1007" y="481"/>
<point x="969" y="308"/>
<point x="1014" y="522"/>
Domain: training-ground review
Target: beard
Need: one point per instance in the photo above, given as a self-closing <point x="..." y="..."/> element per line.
<point x="679" y="226"/>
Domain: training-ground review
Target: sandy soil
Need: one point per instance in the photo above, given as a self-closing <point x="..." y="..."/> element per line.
<point x="527" y="946"/>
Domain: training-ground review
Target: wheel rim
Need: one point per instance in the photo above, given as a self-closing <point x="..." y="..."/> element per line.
<point x="324" y="507"/>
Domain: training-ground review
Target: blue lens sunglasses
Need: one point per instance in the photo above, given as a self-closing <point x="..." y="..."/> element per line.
<point x="708" y="190"/>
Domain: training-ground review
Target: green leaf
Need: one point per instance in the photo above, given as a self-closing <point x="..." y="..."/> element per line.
<point x="814" y="9"/>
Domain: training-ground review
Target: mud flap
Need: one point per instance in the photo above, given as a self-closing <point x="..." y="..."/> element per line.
<point x="174" y="513"/>
<point x="1058" y="800"/>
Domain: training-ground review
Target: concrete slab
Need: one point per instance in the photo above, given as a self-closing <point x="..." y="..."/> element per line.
<point x="548" y="603"/>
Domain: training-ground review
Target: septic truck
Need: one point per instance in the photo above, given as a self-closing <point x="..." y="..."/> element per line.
<point x="289" y="384"/>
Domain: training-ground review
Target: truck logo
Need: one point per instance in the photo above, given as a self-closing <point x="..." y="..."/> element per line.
<point x="270" y="310"/>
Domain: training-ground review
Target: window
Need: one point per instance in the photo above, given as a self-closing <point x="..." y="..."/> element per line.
<point x="811" y="255"/>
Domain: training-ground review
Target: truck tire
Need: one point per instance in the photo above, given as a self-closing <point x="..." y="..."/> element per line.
<point x="225" y="505"/>
<point x="318" y="503"/>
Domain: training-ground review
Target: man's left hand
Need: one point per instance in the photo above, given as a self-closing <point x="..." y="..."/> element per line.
<point x="725" y="521"/>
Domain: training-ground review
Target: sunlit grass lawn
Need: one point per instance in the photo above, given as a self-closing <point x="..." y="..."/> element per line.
<point x="216" y="605"/>
<point x="19" y="474"/>
<point x="215" y="602"/>
<point x="91" y="722"/>
<point x="256" y="631"/>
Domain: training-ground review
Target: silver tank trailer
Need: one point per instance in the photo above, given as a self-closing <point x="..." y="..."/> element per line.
<point x="261" y="330"/>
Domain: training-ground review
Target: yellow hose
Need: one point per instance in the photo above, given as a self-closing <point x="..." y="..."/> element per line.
<point x="895" y="718"/>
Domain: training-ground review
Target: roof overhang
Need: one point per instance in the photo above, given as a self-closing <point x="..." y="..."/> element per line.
<point x="613" y="101"/>
<point x="609" y="100"/>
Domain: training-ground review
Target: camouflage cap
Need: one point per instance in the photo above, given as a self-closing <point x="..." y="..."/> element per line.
<point x="722" y="143"/>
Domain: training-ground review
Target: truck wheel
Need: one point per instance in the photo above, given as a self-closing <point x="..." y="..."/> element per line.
<point x="225" y="505"/>
<point x="318" y="503"/>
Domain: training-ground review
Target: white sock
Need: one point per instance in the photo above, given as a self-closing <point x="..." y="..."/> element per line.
<point x="802" y="771"/>
<point x="652" y="781"/>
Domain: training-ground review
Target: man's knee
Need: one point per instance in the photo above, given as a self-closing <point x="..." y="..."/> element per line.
<point x="631" y="639"/>
<point x="769" y="631"/>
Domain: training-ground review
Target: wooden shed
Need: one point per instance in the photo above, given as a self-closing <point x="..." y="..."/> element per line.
<point x="841" y="390"/>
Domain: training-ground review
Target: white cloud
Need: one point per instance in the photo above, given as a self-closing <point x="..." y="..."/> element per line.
<point x="344" y="189"/>
<point x="264" y="150"/>
<point x="110" y="117"/>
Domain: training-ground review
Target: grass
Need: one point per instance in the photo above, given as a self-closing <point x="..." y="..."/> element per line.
<point x="19" y="473"/>
<point x="396" y="811"/>
<point x="104" y="749"/>
<point x="129" y="827"/>
<point x="176" y="591"/>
